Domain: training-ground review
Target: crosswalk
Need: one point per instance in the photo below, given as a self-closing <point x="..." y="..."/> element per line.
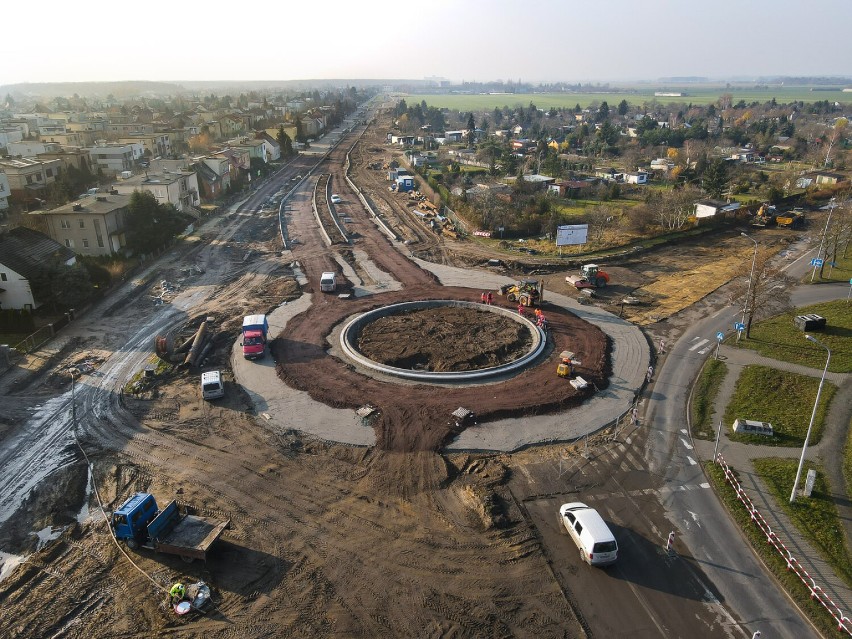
<point x="626" y="458"/>
<point x="700" y="343"/>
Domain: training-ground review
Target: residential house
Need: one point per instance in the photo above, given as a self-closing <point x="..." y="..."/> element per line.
<point x="120" y="129"/>
<point x="69" y="138"/>
<point x="402" y="140"/>
<point x="231" y="125"/>
<point x="214" y="176"/>
<point x="5" y="192"/>
<point x="570" y="188"/>
<point x="115" y="157"/>
<point x="609" y="174"/>
<point x="522" y="146"/>
<point x="455" y="136"/>
<point x="76" y="158"/>
<point x="22" y="254"/>
<point x="10" y="134"/>
<point x="636" y="177"/>
<point x="31" y="148"/>
<point x="710" y="208"/>
<point x="155" y="144"/>
<point x="179" y="188"/>
<point x="539" y="181"/>
<point x="255" y="148"/>
<point x="273" y="149"/>
<point x="96" y="126"/>
<point x="93" y="225"/>
<point x="29" y="178"/>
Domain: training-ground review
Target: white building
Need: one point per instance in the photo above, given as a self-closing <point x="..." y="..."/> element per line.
<point x="116" y="157"/>
<point x="5" y="191"/>
<point x="31" y="148"/>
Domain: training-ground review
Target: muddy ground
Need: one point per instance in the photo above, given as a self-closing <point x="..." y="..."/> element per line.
<point x="439" y="340"/>
<point x="326" y="540"/>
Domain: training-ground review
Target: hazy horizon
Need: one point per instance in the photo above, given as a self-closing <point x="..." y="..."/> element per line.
<point x="478" y="41"/>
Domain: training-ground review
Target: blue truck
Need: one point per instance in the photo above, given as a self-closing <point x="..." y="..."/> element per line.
<point x="141" y="524"/>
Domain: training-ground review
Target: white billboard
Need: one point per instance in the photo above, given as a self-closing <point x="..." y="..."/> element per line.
<point x="571" y="234"/>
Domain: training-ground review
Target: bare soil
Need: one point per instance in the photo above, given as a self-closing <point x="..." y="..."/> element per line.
<point x="446" y="339"/>
<point x="326" y="540"/>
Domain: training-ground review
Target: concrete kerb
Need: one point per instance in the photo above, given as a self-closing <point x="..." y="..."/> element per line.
<point x="351" y="331"/>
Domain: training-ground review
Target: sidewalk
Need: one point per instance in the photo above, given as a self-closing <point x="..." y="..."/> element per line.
<point x="830" y="451"/>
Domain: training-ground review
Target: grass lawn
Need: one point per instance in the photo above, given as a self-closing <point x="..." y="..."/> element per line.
<point x="771" y="558"/>
<point x="840" y="272"/>
<point x="815" y="517"/>
<point x="847" y="459"/>
<point x="778" y="338"/>
<point x="784" y="399"/>
<point x="701" y="407"/>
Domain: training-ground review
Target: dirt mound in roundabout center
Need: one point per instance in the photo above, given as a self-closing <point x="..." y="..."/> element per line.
<point x="440" y="339"/>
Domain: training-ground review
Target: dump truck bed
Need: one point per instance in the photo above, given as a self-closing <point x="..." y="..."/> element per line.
<point x="185" y="535"/>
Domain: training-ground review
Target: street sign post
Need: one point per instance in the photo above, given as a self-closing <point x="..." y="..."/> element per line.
<point x="816" y="262"/>
<point x="719" y="337"/>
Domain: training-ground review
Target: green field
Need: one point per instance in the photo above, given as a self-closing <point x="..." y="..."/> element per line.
<point x="637" y="97"/>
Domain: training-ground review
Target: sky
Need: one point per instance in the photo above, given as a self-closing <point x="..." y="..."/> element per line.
<point x="472" y="40"/>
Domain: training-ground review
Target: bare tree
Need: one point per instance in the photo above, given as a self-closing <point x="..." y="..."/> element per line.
<point x="840" y="125"/>
<point x="768" y="294"/>
<point x="674" y="208"/>
<point x="599" y="219"/>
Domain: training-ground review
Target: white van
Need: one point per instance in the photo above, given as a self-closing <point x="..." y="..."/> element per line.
<point x="591" y="534"/>
<point x="212" y="386"/>
<point x="328" y="282"/>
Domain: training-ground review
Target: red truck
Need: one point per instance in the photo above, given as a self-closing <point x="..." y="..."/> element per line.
<point x="255" y="329"/>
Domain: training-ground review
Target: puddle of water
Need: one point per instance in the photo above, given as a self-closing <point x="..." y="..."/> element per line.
<point x="83" y="515"/>
<point x="48" y="534"/>
<point x="8" y="562"/>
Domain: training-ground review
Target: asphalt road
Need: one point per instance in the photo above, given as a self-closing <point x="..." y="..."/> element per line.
<point x="705" y="527"/>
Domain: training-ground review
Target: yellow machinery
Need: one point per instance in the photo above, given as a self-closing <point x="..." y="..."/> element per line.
<point x="525" y="292"/>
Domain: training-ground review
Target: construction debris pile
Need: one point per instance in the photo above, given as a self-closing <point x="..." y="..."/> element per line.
<point x="191" y="350"/>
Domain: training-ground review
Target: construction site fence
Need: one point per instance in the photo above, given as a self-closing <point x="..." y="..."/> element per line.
<point x="844" y="623"/>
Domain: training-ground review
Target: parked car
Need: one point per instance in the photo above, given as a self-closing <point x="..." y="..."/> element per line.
<point x="335" y="198"/>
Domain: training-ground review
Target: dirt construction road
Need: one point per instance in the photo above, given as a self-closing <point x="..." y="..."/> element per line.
<point x="327" y="540"/>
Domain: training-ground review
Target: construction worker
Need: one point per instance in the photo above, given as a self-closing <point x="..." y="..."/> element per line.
<point x="521" y="310"/>
<point x="490" y="298"/>
<point x="484" y="297"/>
<point x="176" y="593"/>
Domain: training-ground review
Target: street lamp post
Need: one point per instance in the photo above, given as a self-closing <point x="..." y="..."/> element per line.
<point x="831" y="206"/>
<point x="813" y="417"/>
<point x="750" y="278"/>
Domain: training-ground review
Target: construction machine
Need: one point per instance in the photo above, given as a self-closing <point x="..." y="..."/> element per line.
<point x="525" y="292"/>
<point x="765" y="216"/>
<point x="591" y="276"/>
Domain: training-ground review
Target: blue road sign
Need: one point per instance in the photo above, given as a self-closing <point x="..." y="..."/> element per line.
<point x="739" y="326"/>
<point x="720" y="336"/>
<point x="816" y="262"/>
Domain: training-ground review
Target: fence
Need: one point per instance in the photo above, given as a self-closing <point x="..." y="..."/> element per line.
<point x="42" y="335"/>
<point x="844" y="623"/>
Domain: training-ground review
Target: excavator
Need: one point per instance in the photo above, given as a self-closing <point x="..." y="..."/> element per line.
<point x="765" y="216"/>
<point x="591" y="276"/>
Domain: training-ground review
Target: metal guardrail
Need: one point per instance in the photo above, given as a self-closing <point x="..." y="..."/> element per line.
<point x="844" y="623"/>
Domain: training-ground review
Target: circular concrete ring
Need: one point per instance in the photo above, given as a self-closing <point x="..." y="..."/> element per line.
<point x="352" y="331"/>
